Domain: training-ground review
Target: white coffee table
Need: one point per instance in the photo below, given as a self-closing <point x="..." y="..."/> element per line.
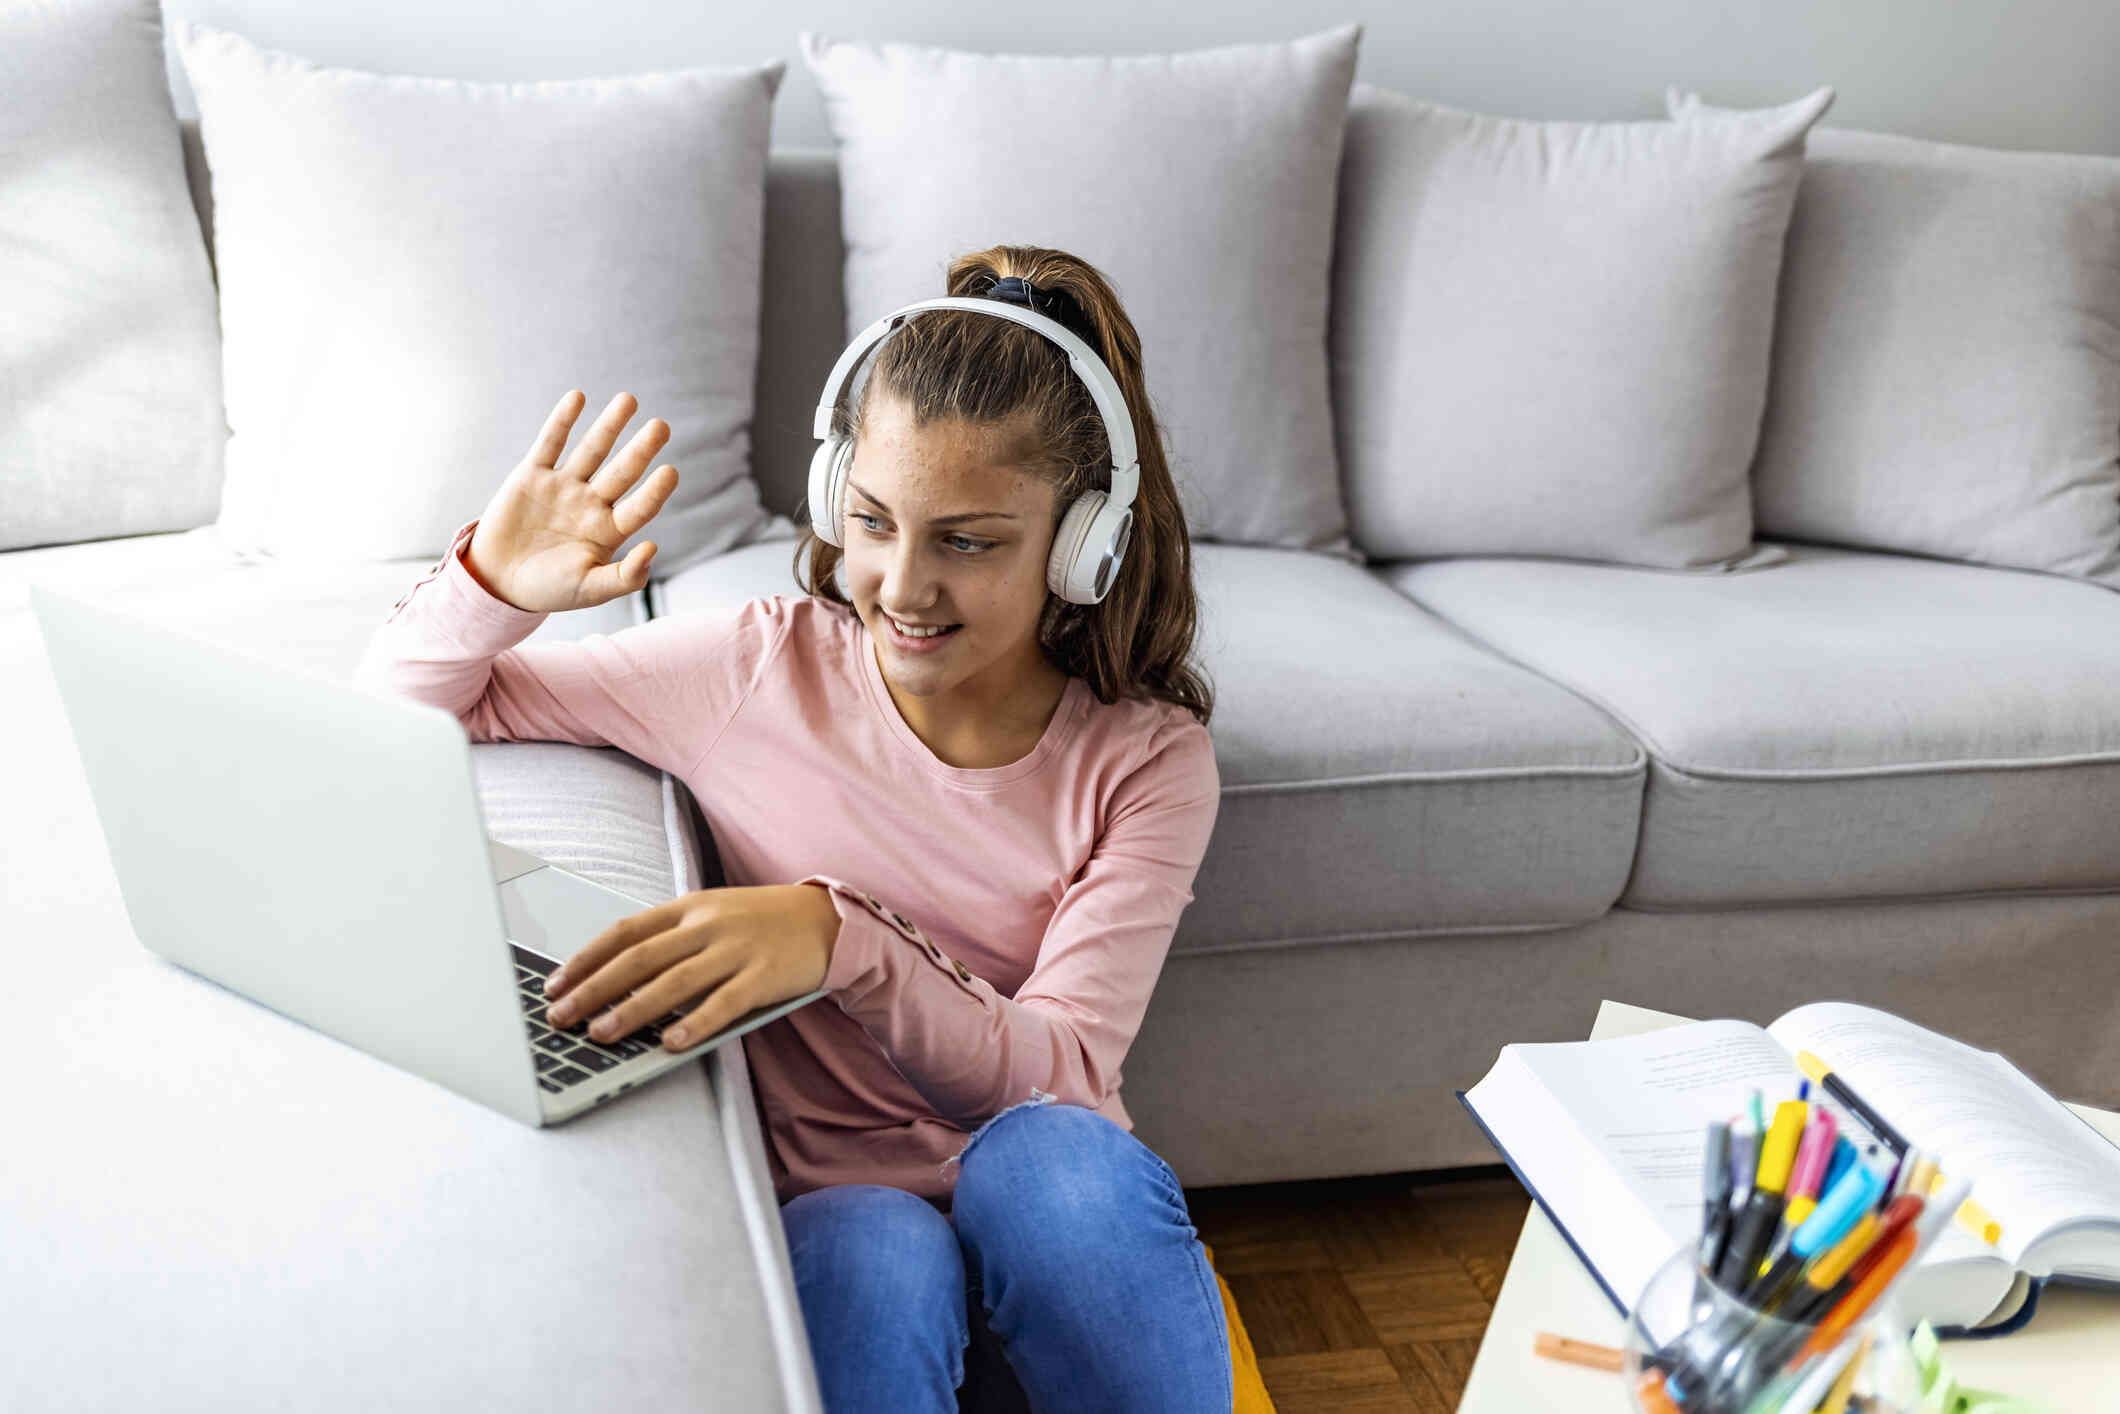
<point x="2065" y="1356"/>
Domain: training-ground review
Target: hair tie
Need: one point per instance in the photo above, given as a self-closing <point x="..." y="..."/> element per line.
<point x="1055" y="304"/>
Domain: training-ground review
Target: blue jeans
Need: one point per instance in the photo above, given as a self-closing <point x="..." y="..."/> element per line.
<point x="1068" y="1249"/>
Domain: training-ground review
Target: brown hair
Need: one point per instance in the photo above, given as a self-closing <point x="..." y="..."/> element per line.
<point x="956" y="364"/>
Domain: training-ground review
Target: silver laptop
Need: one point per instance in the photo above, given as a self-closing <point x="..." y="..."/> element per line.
<point x="319" y="849"/>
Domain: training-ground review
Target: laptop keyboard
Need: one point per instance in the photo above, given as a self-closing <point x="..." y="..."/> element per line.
<point x="566" y="1056"/>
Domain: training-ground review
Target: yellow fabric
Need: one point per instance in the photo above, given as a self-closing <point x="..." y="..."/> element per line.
<point x="1244" y="1365"/>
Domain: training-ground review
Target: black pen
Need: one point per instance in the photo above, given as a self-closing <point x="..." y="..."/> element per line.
<point x="1812" y="1066"/>
<point x="1756" y="1226"/>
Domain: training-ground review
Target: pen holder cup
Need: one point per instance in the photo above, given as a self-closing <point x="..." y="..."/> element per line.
<point x="1693" y="1348"/>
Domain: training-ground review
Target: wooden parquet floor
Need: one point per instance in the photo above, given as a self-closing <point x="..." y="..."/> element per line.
<point x="1365" y="1295"/>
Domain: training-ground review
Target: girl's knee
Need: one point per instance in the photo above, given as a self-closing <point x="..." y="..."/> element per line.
<point x="870" y="1232"/>
<point x="1048" y="1164"/>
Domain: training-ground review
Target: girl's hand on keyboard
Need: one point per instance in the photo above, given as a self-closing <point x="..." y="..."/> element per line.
<point x="731" y="950"/>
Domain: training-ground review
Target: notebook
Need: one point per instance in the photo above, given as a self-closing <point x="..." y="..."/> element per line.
<point x="1607" y="1136"/>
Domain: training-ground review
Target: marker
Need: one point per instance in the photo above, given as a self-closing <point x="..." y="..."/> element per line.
<point x="1759" y="1115"/>
<point x="1852" y="1307"/>
<point x="1813" y="1158"/>
<point x="1762" y="1211"/>
<point x="1796" y="1288"/>
<point x="1812" y="1066"/>
<point x="1844" y="1153"/>
<point x="1899" y="1215"/>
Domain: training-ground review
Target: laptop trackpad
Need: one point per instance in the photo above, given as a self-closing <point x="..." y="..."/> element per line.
<point x="552" y="912"/>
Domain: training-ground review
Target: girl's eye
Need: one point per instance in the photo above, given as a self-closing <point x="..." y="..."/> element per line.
<point x="968" y="545"/>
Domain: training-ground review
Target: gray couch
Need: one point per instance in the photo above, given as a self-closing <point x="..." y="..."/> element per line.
<point x="1463" y="801"/>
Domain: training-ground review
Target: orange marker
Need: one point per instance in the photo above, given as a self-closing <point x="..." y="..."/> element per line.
<point x="1852" y="1306"/>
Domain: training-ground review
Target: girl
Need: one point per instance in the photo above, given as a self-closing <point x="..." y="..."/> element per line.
<point x="994" y="802"/>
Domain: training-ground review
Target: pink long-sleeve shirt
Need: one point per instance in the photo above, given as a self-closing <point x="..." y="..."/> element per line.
<point x="1000" y="929"/>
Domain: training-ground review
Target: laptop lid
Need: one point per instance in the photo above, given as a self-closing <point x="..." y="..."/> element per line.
<point x="315" y="847"/>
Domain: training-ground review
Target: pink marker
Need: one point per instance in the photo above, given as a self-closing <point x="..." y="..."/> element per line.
<point x="1815" y="1153"/>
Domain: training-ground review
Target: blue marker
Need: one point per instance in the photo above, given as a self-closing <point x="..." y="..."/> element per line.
<point x="1843" y="1155"/>
<point x="1844" y="1203"/>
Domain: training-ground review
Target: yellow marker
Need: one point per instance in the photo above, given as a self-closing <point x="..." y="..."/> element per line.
<point x="1799" y="1209"/>
<point x="1834" y="1264"/>
<point x="1777" y="1152"/>
<point x="1971" y="1216"/>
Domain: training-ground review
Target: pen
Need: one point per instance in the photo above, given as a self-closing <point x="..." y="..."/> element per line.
<point x="1715" y="1195"/>
<point x="1762" y="1211"/>
<point x="1744" y="1164"/>
<point x="1759" y="1115"/>
<point x="1577" y="1352"/>
<point x="1833" y="1085"/>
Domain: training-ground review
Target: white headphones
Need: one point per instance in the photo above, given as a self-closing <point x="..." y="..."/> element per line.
<point x="1092" y="539"/>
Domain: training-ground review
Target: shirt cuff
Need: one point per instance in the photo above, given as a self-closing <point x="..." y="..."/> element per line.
<point x="468" y="597"/>
<point x="855" y="954"/>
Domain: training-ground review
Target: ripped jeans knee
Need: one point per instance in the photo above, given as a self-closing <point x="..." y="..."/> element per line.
<point x="1038" y="1097"/>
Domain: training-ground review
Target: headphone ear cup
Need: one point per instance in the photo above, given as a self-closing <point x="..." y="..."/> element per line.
<point x="1089" y="527"/>
<point x="828" y="479"/>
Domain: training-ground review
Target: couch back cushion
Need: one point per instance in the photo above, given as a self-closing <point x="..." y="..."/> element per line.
<point x="1946" y="374"/>
<point x="1552" y="338"/>
<point x="1200" y="184"/>
<point x="414" y="270"/>
<point x="110" y="373"/>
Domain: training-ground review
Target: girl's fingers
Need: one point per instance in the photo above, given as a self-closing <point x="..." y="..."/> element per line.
<point x="597" y="443"/>
<point x="552" y="437"/>
<point x="607" y="582"/>
<point x="635" y="511"/>
<point x="625" y="469"/>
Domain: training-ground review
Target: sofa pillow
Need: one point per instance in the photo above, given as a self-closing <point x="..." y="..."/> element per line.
<point x="1552" y="338"/>
<point x="413" y="270"/>
<point x="1199" y="183"/>
<point x="1946" y="374"/>
<point x="110" y="362"/>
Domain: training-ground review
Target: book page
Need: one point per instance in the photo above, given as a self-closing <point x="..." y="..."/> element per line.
<point x="1610" y="1136"/>
<point x="1611" y="1132"/>
<point x="2034" y="1165"/>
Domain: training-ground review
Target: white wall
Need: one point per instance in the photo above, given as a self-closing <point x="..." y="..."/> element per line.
<point x="2036" y="74"/>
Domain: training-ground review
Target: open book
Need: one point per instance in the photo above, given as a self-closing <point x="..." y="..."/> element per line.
<point x="1608" y="1136"/>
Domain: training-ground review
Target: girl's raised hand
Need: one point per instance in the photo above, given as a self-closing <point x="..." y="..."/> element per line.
<point x="544" y="541"/>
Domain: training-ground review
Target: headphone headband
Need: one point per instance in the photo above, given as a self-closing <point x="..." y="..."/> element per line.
<point x="1103" y="388"/>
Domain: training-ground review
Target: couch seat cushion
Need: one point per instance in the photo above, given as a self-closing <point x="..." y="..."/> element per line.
<point x="1845" y="725"/>
<point x="1381" y="774"/>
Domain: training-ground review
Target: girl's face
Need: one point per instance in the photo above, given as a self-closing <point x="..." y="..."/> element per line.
<point x="939" y="529"/>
